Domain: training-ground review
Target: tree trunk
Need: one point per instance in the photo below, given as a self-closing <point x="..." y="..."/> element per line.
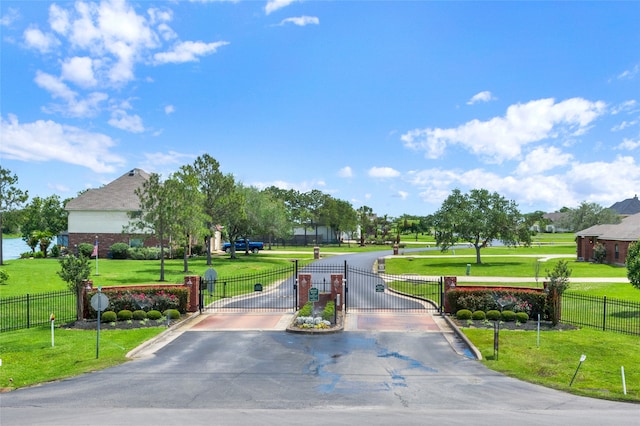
<point x="478" y="260"/>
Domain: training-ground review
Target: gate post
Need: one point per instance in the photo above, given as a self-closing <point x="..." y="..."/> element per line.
<point x="192" y="282"/>
<point x="449" y="284"/>
<point x="336" y="289"/>
<point x="304" y="284"/>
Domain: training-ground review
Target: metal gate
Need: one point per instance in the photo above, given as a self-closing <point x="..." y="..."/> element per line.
<point x="368" y="291"/>
<point x="277" y="290"/>
<point x="273" y="290"/>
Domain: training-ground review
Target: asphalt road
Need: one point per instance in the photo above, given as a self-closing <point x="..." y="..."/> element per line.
<point x="276" y="378"/>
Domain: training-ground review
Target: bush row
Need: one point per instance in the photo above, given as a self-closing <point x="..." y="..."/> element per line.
<point x="530" y="302"/>
<point x="492" y="315"/>
<point x="138" y="315"/>
<point x="142" y="300"/>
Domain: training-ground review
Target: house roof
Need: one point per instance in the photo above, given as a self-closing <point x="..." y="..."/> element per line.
<point x="627" y="230"/>
<point x="118" y="195"/>
<point x="627" y="207"/>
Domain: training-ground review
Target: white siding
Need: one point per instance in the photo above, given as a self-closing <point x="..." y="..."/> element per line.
<point x="98" y="222"/>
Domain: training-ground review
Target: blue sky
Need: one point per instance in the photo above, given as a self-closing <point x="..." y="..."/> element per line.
<point x="389" y="104"/>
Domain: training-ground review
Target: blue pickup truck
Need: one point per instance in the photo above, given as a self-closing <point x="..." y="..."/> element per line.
<point x="241" y="244"/>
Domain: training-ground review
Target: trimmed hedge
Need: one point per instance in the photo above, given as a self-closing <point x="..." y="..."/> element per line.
<point x="522" y="317"/>
<point x="154" y="314"/>
<point x="146" y="299"/>
<point x="493" y="315"/>
<point x="125" y="315"/>
<point x="531" y="302"/>
<point x="108" y="316"/>
<point x="508" y="316"/>
<point x="479" y="316"/>
<point x="463" y="314"/>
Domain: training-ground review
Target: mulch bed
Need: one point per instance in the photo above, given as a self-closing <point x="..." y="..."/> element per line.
<point x="530" y="325"/>
<point x="118" y="325"/>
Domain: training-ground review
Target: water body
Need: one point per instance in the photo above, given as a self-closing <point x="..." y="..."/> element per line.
<point x="13" y="247"/>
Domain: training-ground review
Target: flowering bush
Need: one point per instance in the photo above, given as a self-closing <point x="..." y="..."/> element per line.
<point x="530" y="302"/>
<point x="142" y="299"/>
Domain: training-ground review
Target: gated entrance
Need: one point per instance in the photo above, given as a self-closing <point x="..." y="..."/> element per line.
<point x="286" y="289"/>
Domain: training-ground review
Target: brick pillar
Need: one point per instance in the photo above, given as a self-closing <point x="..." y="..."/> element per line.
<point x="337" y="289"/>
<point x="192" y="282"/>
<point x="449" y="284"/>
<point x="304" y="284"/>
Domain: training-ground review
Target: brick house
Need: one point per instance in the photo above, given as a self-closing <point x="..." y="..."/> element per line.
<point x="616" y="239"/>
<point x="102" y="213"/>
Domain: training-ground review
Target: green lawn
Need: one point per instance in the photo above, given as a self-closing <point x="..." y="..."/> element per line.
<point x="554" y="363"/>
<point x="28" y="357"/>
<point x="40" y="275"/>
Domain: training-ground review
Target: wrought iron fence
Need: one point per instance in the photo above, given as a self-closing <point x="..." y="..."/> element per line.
<point x="32" y="310"/>
<point x="621" y="316"/>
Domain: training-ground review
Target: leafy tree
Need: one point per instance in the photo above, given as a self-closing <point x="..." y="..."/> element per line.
<point x="633" y="264"/>
<point x="558" y="282"/>
<point x="479" y="217"/>
<point x="10" y="198"/>
<point x="266" y="215"/>
<point x="44" y="217"/>
<point x="536" y="218"/>
<point x="365" y="222"/>
<point x="189" y="219"/>
<point x="4" y="277"/>
<point x="340" y="216"/>
<point x="158" y="204"/>
<point x="75" y="270"/>
<point x="587" y="215"/>
<point x="216" y="188"/>
<point x="236" y="225"/>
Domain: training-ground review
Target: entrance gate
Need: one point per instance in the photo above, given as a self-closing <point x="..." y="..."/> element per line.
<point x="279" y="290"/>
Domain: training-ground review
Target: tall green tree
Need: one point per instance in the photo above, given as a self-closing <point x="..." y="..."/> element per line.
<point x="216" y="188"/>
<point x="365" y="222"/>
<point x="11" y="197"/>
<point x="158" y="207"/>
<point x="340" y="216"/>
<point x="44" y="216"/>
<point x="478" y="218"/>
<point x="189" y="221"/>
<point x="587" y="215"/>
<point x="74" y="271"/>
<point x="266" y="215"/>
<point x="237" y="223"/>
<point x="558" y="282"/>
<point x="633" y="264"/>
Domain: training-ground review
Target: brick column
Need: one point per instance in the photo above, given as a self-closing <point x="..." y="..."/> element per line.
<point x="192" y="282"/>
<point x="449" y="284"/>
<point x="337" y="289"/>
<point x="304" y="284"/>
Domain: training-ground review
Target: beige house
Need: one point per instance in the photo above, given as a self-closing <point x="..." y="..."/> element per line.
<point x="102" y="213"/>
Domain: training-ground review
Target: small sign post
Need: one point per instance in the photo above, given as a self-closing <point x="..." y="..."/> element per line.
<point x="313" y="295"/>
<point x="52" y="318"/>
<point x="99" y="302"/>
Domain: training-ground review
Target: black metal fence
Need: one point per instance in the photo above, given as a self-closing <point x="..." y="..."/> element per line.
<point x="32" y="310"/>
<point x="603" y="313"/>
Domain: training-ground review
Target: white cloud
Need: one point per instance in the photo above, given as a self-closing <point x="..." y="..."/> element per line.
<point x="73" y="105"/>
<point x="485" y="96"/>
<point x="10" y="17"/>
<point x="628" y="144"/>
<point x="626" y="106"/>
<point x="79" y="70"/>
<point x="36" y="39"/>
<point x="629" y="74"/>
<point x="301" y="21"/>
<point x="273" y="5"/>
<point x="402" y="194"/>
<point x="188" y="51"/>
<point x="502" y="138"/>
<point x="345" y="172"/>
<point x="169" y="109"/>
<point x="59" y="19"/>
<point x="383" y="172"/>
<point x="156" y="160"/>
<point x="43" y="141"/>
<point x="542" y="159"/>
<point x="624" y="125"/>
<point x="130" y="123"/>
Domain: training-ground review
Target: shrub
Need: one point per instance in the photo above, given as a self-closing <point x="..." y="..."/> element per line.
<point x="39" y="255"/>
<point x="139" y="314"/>
<point x="85" y="249"/>
<point x="108" y="316"/>
<point x="329" y="311"/>
<point x="4" y="276"/>
<point x="508" y="316"/>
<point x="463" y="314"/>
<point x="172" y="314"/>
<point x="55" y="251"/>
<point x="125" y="315"/>
<point x="493" y="315"/>
<point x="306" y="310"/>
<point x="522" y="317"/>
<point x="154" y="314"/>
<point x="119" y="250"/>
<point x="479" y="316"/>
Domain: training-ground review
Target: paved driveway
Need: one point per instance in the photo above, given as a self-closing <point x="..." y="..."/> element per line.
<point x="275" y="377"/>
